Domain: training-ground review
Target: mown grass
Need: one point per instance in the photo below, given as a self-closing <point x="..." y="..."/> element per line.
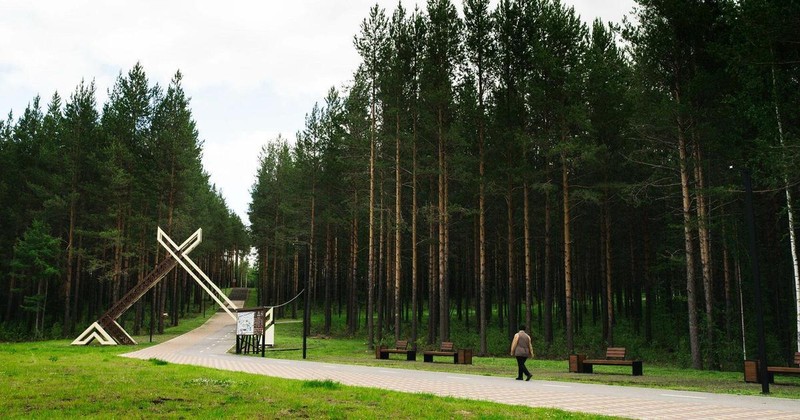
<point x="288" y="340"/>
<point x="52" y="379"/>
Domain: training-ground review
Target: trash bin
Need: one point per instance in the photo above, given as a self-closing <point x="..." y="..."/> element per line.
<point x="576" y="363"/>
<point x="751" y="371"/>
<point x="465" y="356"/>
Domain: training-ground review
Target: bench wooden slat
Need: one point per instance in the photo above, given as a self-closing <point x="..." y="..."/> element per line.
<point x="615" y="353"/>
<point x="797" y="358"/>
<point x="608" y="362"/>
<point x="781" y="369"/>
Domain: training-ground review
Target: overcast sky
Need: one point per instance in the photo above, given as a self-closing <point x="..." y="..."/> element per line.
<point x="252" y="69"/>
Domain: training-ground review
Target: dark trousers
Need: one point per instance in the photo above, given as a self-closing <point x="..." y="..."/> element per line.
<point x="521" y="369"/>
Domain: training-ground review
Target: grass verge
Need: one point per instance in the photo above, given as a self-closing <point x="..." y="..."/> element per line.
<point x="54" y="379"/>
<point x="321" y="348"/>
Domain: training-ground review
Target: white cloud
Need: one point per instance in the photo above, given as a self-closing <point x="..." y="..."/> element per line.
<point x="252" y="68"/>
<point x="232" y="166"/>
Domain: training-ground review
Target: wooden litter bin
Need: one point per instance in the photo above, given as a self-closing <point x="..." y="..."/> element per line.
<point x="751" y="371"/>
<point x="465" y="356"/>
<point x="576" y="363"/>
<point x="379" y="354"/>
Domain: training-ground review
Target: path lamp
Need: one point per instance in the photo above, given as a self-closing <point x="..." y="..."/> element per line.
<point x="307" y="297"/>
<point x="749" y="214"/>
<point x="306" y="310"/>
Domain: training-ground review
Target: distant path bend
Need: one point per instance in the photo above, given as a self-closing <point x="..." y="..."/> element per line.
<point x="208" y="346"/>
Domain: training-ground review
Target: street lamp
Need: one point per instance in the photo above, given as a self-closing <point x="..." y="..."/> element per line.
<point x="307" y="298"/>
<point x="306" y="311"/>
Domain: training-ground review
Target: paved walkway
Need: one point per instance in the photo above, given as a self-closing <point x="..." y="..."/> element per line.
<point x="208" y="346"/>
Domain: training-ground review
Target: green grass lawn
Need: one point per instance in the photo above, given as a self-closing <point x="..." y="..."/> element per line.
<point x="340" y="349"/>
<point x="288" y="340"/>
<point x="54" y="379"/>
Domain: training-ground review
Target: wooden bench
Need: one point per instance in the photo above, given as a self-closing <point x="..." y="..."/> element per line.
<point x="400" y="347"/>
<point x="445" y="350"/>
<point x="615" y="356"/>
<point x="785" y="370"/>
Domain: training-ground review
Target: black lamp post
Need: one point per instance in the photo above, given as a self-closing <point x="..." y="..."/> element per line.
<point x="305" y="314"/>
<point x="306" y="310"/>
<point x="751" y="227"/>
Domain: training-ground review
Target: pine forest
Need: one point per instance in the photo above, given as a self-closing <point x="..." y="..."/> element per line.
<point x="489" y="164"/>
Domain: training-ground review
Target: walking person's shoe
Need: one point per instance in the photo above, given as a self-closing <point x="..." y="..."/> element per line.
<point x="529" y="377"/>
<point x="519" y="379"/>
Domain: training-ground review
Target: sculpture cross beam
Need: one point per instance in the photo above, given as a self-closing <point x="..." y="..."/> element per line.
<point x="108" y="332"/>
<point x="197" y="274"/>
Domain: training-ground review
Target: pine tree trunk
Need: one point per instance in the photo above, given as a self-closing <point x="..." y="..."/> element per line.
<point x="117" y="273"/>
<point x="37" y="327"/>
<point x="296" y="282"/>
<point x="726" y="274"/>
<point x="278" y="270"/>
<point x="414" y="254"/>
<point x="482" y="322"/>
<point x="276" y="288"/>
<point x="175" y="297"/>
<point x="445" y="286"/>
<point x="352" y="306"/>
<point x="705" y="252"/>
<point x="443" y="308"/>
<point x="548" y="279"/>
<point x="398" y="220"/>
<point x="162" y="302"/>
<point x="336" y="274"/>
<point x="694" y="336"/>
<point x="139" y="310"/>
<point x="512" y="283"/>
<point x="263" y="283"/>
<point x="636" y="286"/>
<point x="77" y="284"/>
<point x="433" y="284"/>
<point x="326" y="276"/>
<point x="371" y="243"/>
<point x="355" y="283"/>
<point x="648" y="287"/>
<point x="482" y="242"/>
<point x="311" y="275"/>
<point x="528" y="279"/>
<point x="380" y="300"/>
<point x="567" y="253"/>
<point x="609" y="289"/>
<point x="69" y="265"/>
<point x="11" y="284"/>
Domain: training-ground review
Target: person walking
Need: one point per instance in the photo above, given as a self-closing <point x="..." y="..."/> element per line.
<point x="522" y="349"/>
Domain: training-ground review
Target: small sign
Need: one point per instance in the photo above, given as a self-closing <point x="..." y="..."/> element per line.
<point x="245" y="325"/>
<point x="255" y="330"/>
<point x="258" y="323"/>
